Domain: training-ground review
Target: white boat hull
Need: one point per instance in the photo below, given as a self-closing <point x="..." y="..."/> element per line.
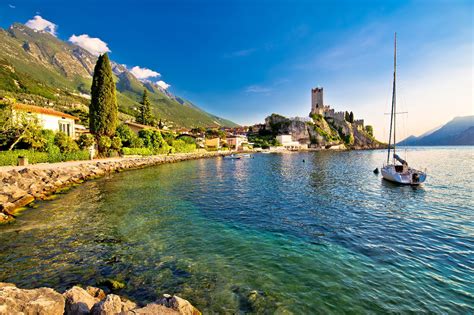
<point x="408" y="176"/>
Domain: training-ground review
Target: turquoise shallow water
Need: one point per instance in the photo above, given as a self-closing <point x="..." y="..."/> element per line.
<point x="271" y="234"/>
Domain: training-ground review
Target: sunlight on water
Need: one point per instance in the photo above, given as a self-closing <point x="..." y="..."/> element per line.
<point x="271" y="234"/>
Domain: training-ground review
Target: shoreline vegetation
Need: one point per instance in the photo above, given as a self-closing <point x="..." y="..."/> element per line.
<point x="91" y="300"/>
<point x="22" y="185"/>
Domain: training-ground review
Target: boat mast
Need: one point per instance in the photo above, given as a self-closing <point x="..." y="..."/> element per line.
<point x="394" y="98"/>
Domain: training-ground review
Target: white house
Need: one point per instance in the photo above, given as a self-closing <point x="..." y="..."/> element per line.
<point x="288" y="143"/>
<point x="236" y="142"/>
<point x="50" y="118"/>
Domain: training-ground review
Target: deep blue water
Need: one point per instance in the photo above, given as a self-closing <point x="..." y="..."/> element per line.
<point x="272" y="234"/>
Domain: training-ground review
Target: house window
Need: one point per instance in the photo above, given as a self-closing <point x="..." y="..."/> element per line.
<point x="65" y="127"/>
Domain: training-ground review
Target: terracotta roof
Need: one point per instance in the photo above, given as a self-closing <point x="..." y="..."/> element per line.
<point x="42" y="110"/>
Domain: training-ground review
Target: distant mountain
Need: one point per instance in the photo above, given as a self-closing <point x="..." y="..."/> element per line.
<point x="38" y="67"/>
<point x="459" y="131"/>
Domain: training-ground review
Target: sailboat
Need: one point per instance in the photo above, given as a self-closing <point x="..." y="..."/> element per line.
<point x="392" y="171"/>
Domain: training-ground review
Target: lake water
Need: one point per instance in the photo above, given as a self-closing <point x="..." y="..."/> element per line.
<point x="272" y="234"/>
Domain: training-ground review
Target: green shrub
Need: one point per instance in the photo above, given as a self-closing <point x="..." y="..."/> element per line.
<point x="49" y="137"/>
<point x="86" y="141"/>
<point x="137" y="151"/>
<point x="370" y="130"/>
<point x="54" y="154"/>
<point x="65" y="143"/>
<point x="116" y="143"/>
<point x="11" y="157"/>
<point x="128" y="137"/>
<point x="104" y="144"/>
<point x="152" y="138"/>
<point x="75" y="156"/>
<point x="182" y="147"/>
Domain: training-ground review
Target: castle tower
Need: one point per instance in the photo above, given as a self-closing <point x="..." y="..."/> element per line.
<point x="317" y="105"/>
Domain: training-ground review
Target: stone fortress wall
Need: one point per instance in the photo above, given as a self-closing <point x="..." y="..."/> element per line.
<point x="318" y="108"/>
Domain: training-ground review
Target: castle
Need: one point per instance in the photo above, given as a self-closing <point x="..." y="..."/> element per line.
<point x="318" y="108"/>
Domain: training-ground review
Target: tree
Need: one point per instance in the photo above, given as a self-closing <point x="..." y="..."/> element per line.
<point x="19" y="129"/>
<point x="145" y="117"/>
<point x="346" y="116"/>
<point x="103" y="110"/>
<point x="351" y="117"/>
<point x="370" y="130"/>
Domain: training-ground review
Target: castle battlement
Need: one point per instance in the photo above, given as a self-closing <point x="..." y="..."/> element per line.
<point x="318" y="108"/>
<point x="359" y="123"/>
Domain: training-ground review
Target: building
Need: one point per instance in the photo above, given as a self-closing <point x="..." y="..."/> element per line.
<point x="287" y="142"/>
<point x="49" y="118"/>
<point x="318" y="108"/>
<point x="236" y="142"/>
<point x="213" y="143"/>
<point x="317" y="104"/>
<point x="136" y="127"/>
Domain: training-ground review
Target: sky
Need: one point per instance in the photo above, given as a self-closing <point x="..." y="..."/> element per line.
<point x="244" y="60"/>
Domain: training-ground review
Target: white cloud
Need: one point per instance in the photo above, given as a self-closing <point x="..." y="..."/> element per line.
<point x="163" y="84"/>
<point x="143" y="73"/>
<point x="40" y="24"/>
<point x="257" y="89"/>
<point x="92" y="44"/>
<point x="12" y="6"/>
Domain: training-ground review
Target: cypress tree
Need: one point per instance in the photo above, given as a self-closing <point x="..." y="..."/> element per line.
<point x="103" y="109"/>
<point x="351" y="117"/>
<point x="145" y="116"/>
<point x="346" y="116"/>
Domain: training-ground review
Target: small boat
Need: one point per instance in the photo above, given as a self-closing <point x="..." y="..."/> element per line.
<point x="245" y="155"/>
<point x="232" y="157"/>
<point x="398" y="173"/>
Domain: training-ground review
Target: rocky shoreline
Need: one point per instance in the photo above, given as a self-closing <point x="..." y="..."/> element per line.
<point x="77" y="300"/>
<point x="21" y="186"/>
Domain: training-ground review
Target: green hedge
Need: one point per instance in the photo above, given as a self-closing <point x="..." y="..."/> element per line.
<point x="11" y="157"/>
<point x="137" y="151"/>
<point x="181" y="146"/>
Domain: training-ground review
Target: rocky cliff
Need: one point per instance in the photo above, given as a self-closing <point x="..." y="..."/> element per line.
<point x="320" y="132"/>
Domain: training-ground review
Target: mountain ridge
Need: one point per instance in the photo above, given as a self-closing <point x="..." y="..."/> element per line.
<point x="458" y="131"/>
<point x="38" y="64"/>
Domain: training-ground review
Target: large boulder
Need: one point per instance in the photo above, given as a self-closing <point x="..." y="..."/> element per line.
<point x="36" y="301"/>
<point x="153" y="309"/>
<point x="78" y="301"/>
<point x="96" y="292"/>
<point x="178" y="304"/>
<point x="112" y="305"/>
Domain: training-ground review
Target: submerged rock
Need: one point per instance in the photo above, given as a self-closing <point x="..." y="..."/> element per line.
<point x="113" y="284"/>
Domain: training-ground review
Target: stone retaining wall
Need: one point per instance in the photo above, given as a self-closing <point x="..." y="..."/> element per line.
<point x="19" y="187"/>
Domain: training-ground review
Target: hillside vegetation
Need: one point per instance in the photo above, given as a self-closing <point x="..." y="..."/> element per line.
<point x="38" y="67"/>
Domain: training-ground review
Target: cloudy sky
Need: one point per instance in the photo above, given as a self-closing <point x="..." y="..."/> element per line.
<point x="246" y="59"/>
